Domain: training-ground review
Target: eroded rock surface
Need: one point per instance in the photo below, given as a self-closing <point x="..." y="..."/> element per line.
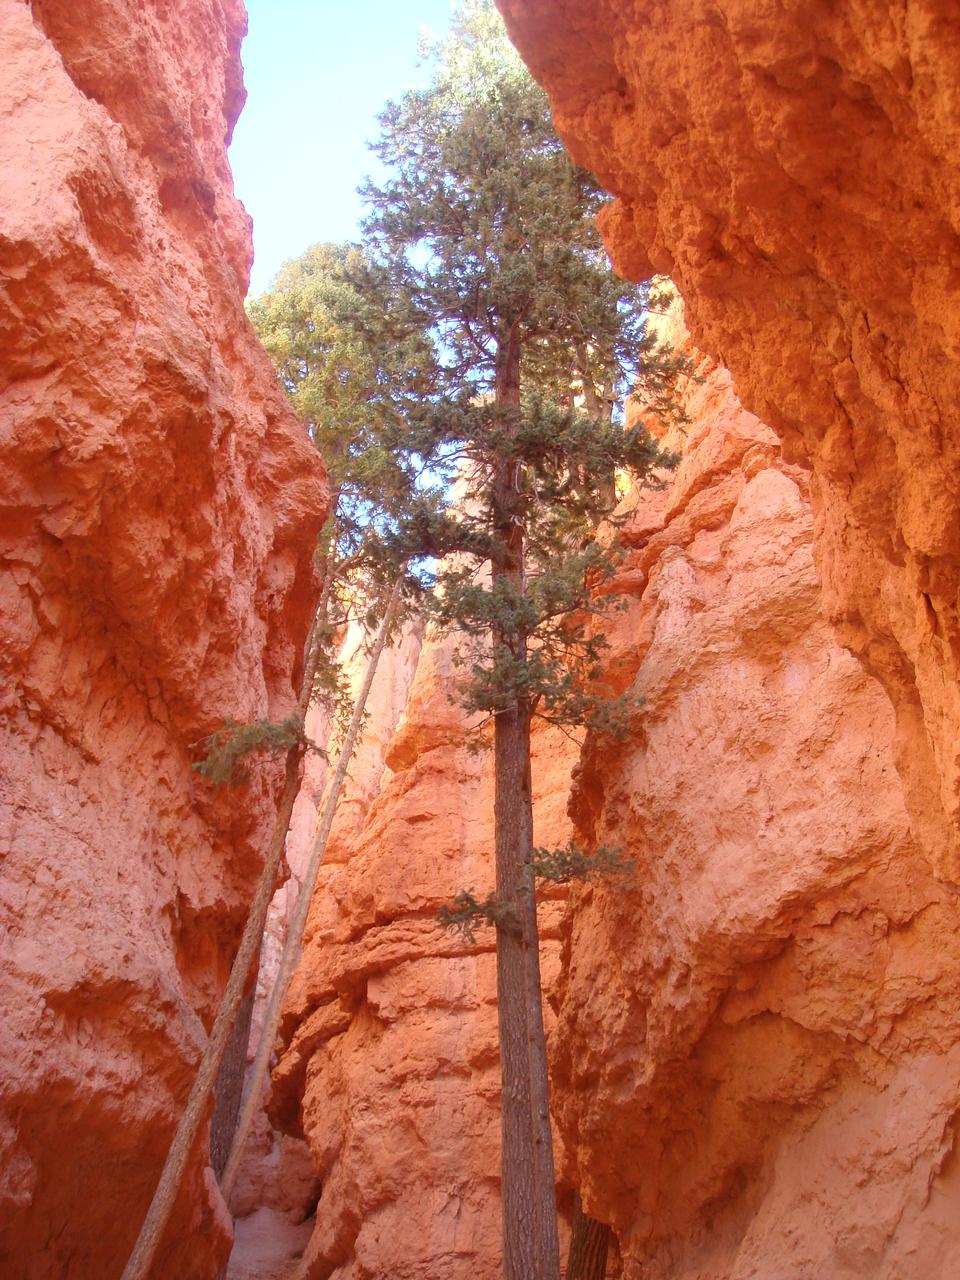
<point x="794" y="168"/>
<point x="757" y="1054"/>
<point x="159" y="505"/>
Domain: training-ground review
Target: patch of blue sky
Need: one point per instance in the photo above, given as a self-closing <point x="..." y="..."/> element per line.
<point x="317" y="73"/>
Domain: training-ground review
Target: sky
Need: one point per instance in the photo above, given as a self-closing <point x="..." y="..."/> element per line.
<point x="317" y="74"/>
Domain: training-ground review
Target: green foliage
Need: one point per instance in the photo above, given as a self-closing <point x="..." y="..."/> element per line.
<point x="566" y="864"/>
<point x="465" y="914"/>
<point x="486" y="225"/>
<point x="485" y="229"/>
<point x="230" y="746"/>
<point x="353" y="362"/>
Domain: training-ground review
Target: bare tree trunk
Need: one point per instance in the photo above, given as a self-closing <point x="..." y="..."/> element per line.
<point x="517" y="1160"/>
<point x="530" y="1244"/>
<point x="228" y="1089"/>
<point x="291" y="950"/>
<point x="547" y="1232"/>
<point x="589" y="1245"/>
<point x="171" y="1177"/>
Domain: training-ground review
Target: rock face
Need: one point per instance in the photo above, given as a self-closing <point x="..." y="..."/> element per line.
<point x="159" y="506"/>
<point x="757" y="1053"/>
<point x="794" y="168"/>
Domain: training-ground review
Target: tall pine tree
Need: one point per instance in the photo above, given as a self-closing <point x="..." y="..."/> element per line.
<point x="486" y="231"/>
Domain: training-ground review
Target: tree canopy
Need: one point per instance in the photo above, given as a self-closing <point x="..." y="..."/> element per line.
<point x="484" y="229"/>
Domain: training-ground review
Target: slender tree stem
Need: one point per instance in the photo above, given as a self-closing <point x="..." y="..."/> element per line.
<point x="291" y="951"/>
<point x="530" y="1246"/>
<point x="589" y="1245"/>
<point x="171" y="1177"/>
<point x="547" y="1231"/>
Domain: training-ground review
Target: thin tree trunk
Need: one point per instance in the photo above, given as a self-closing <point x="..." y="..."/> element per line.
<point x="589" y="1245"/>
<point x="171" y="1177"/>
<point x="291" y="950"/>
<point x="547" y="1231"/>
<point x="228" y="1088"/>
<point x="530" y="1245"/>
<point x="517" y="1159"/>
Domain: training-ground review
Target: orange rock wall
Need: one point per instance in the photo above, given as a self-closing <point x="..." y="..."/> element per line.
<point x="757" y="1057"/>
<point x="794" y="168"/>
<point x="157" y="512"/>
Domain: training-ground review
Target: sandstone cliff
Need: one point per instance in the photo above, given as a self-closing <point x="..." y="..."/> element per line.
<point x="757" y="1053"/>
<point x="736" y="1031"/>
<point x="794" y="168"/>
<point x="159" y="505"/>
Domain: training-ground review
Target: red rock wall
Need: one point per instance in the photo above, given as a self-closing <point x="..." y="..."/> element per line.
<point x="757" y="1058"/>
<point x="794" y="168"/>
<point x="757" y="1050"/>
<point x="157" y="512"/>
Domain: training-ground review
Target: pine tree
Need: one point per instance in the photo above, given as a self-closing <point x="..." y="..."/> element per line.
<point x="485" y="229"/>
<point x="353" y="361"/>
<point x="350" y="364"/>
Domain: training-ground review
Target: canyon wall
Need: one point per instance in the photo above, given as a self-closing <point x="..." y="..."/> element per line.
<point x="157" y="513"/>
<point x="794" y="167"/>
<point x="757" y="1059"/>
<point x="755" y="1041"/>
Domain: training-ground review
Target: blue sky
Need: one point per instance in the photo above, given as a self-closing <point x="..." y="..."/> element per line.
<point x="317" y="73"/>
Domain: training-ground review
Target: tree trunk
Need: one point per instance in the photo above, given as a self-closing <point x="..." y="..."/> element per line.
<point x="530" y="1244"/>
<point x="589" y="1244"/>
<point x="195" y="1109"/>
<point x="256" y="1078"/>
<point x="228" y="1089"/>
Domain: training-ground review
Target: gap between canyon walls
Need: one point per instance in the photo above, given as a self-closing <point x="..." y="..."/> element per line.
<point x="794" y="169"/>
<point x="160" y="505"/>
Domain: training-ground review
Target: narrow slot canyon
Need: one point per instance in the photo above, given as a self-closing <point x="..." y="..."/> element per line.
<point x="744" y="765"/>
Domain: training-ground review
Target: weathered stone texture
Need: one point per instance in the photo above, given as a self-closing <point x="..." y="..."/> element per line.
<point x="794" y="168"/>
<point x="157" y="513"/>
<point x="757" y="1056"/>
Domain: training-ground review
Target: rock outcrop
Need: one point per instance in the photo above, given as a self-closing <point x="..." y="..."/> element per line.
<point x="735" y="1030"/>
<point x="159" y="504"/>
<point x="794" y="168"/>
<point x="757" y="1056"/>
